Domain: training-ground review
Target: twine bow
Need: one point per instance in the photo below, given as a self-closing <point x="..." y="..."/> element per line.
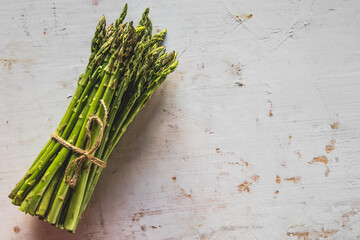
<point x="87" y="153"/>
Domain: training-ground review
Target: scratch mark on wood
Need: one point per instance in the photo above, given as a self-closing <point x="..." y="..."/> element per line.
<point x="24" y="24"/>
<point x="54" y="13"/>
<point x="145" y="212"/>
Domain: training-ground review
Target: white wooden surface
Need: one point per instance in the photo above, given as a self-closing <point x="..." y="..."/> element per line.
<point x="228" y="148"/>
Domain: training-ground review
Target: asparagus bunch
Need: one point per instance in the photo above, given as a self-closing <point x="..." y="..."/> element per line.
<point x="126" y="65"/>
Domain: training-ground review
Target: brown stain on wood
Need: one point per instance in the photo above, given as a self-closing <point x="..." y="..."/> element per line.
<point x="137" y="216"/>
<point x="313" y="234"/>
<point x="183" y="193"/>
<point x="290" y="138"/>
<point x="336" y="159"/>
<point x="347" y="216"/>
<point x="324" y="160"/>
<point x="237" y="69"/>
<point x="155" y="227"/>
<point x="174" y="178"/>
<point x="321" y="159"/>
<point x="327" y="171"/>
<point x="335" y="125"/>
<point x="277" y="192"/>
<point x="299" y="235"/>
<point x="255" y="178"/>
<point x="209" y="132"/>
<point x="10" y="62"/>
<point x="217" y="150"/>
<point x="244" y="187"/>
<point x="145" y="212"/>
<point x="16" y="229"/>
<point x="244" y="163"/>
<point x="271" y="113"/>
<point x="293" y="179"/>
<point x="233" y="163"/>
<point x="240" y="84"/>
<point x="278" y="179"/>
<point x="330" y="147"/>
<point x="298" y="154"/>
<point x="143" y="228"/>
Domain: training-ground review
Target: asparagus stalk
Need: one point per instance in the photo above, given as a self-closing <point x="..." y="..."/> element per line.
<point x="170" y="65"/>
<point x="144" y="98"/>
<point x="66" y="123"/>
<point x="130" y="71"/>
<point x="75" y="204"/>
<point x="139" y="52"/>
<point x="35" y="195"/>
<point x="122" y="16"/>
<point x="44" y="204"/>
<point x="70" y="129"/>
<point x="82" y="138"/>
<point x="125" y="67"/>
<point x="45" y="201"/>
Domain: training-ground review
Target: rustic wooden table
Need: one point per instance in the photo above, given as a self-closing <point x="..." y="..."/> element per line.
<point x="255" y="136"/>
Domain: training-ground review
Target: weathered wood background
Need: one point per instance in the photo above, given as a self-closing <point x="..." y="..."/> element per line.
<point x="255" y="136"/>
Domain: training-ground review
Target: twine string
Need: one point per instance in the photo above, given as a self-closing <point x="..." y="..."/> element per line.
<point x="87" y="153"/>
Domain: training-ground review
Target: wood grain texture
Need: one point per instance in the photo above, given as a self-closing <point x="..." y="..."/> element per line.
<point x="255" y="136"/>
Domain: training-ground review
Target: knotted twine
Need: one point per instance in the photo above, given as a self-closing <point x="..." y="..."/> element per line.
<point x="87" y="153"/>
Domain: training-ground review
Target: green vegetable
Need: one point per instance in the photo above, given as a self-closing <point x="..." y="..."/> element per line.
<point x="125" y="67"/>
